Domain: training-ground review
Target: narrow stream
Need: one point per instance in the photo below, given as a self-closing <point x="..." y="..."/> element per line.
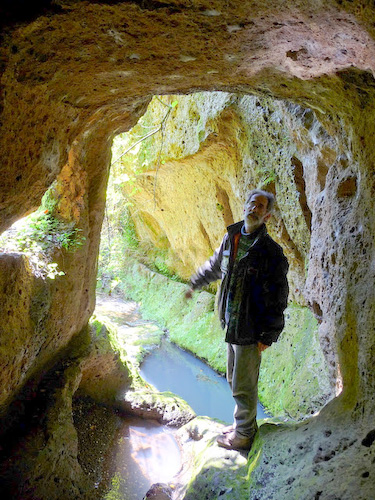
<point x="169" y="368"/>
<point x="145" y="452"/>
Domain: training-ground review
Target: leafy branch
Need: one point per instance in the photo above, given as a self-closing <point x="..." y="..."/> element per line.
<point x="161" y="127"/>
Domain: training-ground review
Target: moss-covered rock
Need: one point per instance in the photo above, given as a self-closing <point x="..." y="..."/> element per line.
<point x="165" y="407"/>
<point x="106" y="373"/>
<point x="294" y="377"/>
<point x="194" y="325"/>
<point x="129" y="392"/>
<point x="209" y="471"/>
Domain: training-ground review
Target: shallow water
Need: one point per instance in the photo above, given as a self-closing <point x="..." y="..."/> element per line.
<point x="144" y="453"/>
<point x="169" y="368"/>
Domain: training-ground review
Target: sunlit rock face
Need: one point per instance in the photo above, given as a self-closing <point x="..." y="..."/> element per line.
<point x="186" y="184"/>
<point x="75" y="73"/>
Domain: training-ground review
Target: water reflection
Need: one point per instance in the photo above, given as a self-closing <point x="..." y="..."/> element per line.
<point x="145" y="452"/>
<point x="169" y="368"/>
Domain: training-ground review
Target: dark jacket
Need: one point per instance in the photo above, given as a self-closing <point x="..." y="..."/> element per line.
<point x="262" y="271"/>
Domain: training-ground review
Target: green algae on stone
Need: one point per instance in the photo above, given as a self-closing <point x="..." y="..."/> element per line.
<point x="210" y="471"/>
<point x="106" y="339"/>
<point x="165" y="407"/>
<point x="106" y="371"/>
<point x="294" y="379"/>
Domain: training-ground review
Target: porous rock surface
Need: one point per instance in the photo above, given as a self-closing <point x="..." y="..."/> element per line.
<point x="215" y="147"/>
<point x="76" y="73"/>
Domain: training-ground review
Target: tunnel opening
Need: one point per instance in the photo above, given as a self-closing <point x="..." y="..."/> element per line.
<point x="240" y="142"/>
<point x="171" y="196"/>
<point x="155" y="192"/>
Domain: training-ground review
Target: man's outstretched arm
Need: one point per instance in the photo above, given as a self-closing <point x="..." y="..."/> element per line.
<point x="207" y="273"/>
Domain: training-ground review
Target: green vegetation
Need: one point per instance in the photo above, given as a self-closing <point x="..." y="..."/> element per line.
<point x="294" y="358"/>
<point x="120" y="249"/>
<point x="134" y="153"/>
<point x="115" y="489"/>
<point x="193" y="324"/>
<point x="118" y="245"/>
<point x="40" y="235"/>
<point x="135" y="254"/>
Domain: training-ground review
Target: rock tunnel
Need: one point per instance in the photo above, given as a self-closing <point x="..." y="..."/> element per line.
<point x="77" y="73"/>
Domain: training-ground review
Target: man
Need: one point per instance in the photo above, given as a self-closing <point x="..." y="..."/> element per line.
<point x="252" y="299"/>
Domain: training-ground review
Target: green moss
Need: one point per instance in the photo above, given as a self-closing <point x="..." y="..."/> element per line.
<point x="127" y="230"/>
<point x="293" y="380"/>
<point x="115" y="489"/>
<point x="166" y="402"/>
<point x="106" y="338"/>
<point x="192" y="324"/>
<point x="214" y="473"/>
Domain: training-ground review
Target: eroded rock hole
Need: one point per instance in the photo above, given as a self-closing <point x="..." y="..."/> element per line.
<point x="347" y="187"/>
<point x="369" y="439"/>
<point x="301" y="187"/>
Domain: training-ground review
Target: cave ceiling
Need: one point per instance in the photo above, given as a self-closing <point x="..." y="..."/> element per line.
<point x="80" y="72"/>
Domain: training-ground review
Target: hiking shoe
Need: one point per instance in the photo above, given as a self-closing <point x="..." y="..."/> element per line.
<point x="227" y="429"/>
<point x="231" y="441"/>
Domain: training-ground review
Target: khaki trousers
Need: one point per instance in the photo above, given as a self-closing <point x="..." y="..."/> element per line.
<point x="243" y="363"/>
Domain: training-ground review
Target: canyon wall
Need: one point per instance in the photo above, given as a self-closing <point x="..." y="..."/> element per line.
<point x="180" y="187"/>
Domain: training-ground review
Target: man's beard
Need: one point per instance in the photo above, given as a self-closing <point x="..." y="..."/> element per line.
<point x="252" y="221"/>
<point x="252" y="218"/>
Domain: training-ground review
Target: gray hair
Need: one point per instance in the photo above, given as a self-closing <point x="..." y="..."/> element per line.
<point x="270" y="197"/>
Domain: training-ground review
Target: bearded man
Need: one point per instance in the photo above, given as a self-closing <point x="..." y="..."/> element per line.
<point x="252" y="299"/>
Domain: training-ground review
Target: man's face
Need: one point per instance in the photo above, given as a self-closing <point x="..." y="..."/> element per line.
<point x="256" y="211"/>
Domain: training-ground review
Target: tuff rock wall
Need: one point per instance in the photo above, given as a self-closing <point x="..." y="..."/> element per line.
<point x="74" y="74"/>
<point x="185" y="184"/>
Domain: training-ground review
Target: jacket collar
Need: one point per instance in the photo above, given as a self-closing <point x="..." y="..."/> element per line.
<point x="236" y="228"/>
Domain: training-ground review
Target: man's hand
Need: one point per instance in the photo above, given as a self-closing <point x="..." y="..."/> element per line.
<point x="262" y="347"/>
<point x="189" y="294"/>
